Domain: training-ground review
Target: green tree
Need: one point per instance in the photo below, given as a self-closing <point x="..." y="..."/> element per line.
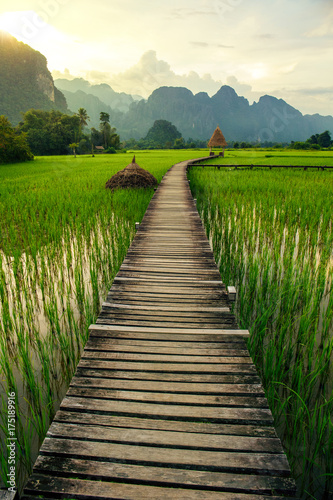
<point x="49" y="132"/>
<point x="83" y="116"/>
<point x="74" y="146"/>
<point x="162" y="132"/>
<point x="105" y="126"/>
<point x="179" y="143"/>
<point x="324" y="139"/>
<point x="13" y="147"/>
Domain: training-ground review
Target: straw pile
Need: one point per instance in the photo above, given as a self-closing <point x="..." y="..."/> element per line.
<point x="217" y="140"/>
<point x="132" y="176"/>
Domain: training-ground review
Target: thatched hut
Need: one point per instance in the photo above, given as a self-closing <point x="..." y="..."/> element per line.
<point x="131" y="176"/>
<point x="217" y="141"/>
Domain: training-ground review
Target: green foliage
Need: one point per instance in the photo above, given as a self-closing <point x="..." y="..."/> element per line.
<point x="316" y="141"/>
<point x="49" y="132"/>
<point x="324" y="139"/>
<point x="83" y="116"/>
<point x="13" y="147"/>
<point x="162" y="133"/>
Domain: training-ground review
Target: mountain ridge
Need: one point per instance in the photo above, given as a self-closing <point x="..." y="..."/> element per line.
<point x="25" y="81"/>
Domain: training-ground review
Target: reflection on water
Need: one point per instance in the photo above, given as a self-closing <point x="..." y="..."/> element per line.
<point x="47" y="303"/>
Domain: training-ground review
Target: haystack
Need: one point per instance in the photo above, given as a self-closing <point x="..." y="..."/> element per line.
<point x="217" y="140"/>
<point x="132" y="176"/>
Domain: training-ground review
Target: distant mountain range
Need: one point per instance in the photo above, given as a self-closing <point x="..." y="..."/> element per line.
<point x="94" y="98"/>
<point x="196" y="116"/>
<point x="25" y="82"/>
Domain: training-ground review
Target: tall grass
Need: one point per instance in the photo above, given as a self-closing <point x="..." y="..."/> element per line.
<point x="62" y="240"/>
<point x="272" y="236"/>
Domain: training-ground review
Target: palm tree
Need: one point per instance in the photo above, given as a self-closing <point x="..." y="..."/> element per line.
<point x="73" y="146"/>
<point x="83" y="115"/>
<point x="105" y="126"/>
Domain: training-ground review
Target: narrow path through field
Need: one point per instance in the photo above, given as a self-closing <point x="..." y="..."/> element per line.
<point x="166" y="402"/>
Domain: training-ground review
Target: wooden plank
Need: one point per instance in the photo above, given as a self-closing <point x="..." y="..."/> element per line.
<point x="91" y="490"/>
<point x="175" y="308"/>
<point x="198" y="338"/>
<point x="107" y="341"/>
<point x="168" y="358"/>
<point x="109" y="345"/>
<point x="237" y="461"/>
<point x="175" y="439"/>
<point x="252" y="401"/>
<point x="174" y="387"/>
<point x="106" y="319"/>
<point x="164" y="476"/>
<point x="183" y="331"/>
<point x="86" y="362"/>
<point x="134" y="422"/>
<point x="100" y="371"/>
<point x="260" y="416"/>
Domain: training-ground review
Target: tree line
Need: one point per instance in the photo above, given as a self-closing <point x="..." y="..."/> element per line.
<point x="46" y="133"/>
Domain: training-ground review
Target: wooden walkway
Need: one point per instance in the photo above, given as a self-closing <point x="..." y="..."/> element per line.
<point x="165" y="403"/>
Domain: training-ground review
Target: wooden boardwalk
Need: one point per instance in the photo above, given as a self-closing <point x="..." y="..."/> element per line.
<point x="166" y="403"/>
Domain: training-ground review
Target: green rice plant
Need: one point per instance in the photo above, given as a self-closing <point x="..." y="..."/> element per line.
<point x="271" y="232"/>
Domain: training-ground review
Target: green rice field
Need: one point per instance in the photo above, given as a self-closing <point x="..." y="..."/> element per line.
<point x="271" y="231"/>
<point x="283" y="157"/>
<point x="63" y="237"/>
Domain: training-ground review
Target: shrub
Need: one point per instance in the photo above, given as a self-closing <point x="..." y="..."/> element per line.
<point x="13" y="147"/>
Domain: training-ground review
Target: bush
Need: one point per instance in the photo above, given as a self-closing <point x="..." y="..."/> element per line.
<point x="110" y="151"/>
<point x="13" y="147"/>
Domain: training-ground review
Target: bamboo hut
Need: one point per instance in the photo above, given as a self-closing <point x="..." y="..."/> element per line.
<point x="131" y="176"/>
<point x="217" y="141"/>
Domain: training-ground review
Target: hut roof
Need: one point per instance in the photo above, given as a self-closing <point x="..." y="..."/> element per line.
<point x="131" y="176"/>
<point x="217" y="139"/>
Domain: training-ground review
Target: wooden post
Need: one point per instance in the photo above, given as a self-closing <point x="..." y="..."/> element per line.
<point x="232" y="293"/>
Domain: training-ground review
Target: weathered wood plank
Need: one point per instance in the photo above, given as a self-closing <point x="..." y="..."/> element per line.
<point x="159" y="475"/>
<point x="173" y="387"/>
<point x="221" y="460"/>
<point x="134" y="366"/>
<point x="219" y="378"/>
<point x="165" y="438"/>
<point x="96" y="343"/>
<point x="198" y="338"/>
<point x="260" y="416"/>
<point x="183" y="331"/>
<point x="140" y="422"/>
<point x="234" y="401"/>
<point x="91" y="490"/>
<point x="174" y="308"/>
<point x="169" y="358"/>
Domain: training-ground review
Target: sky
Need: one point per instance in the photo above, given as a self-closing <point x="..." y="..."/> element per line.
<point x="282" y="48"/>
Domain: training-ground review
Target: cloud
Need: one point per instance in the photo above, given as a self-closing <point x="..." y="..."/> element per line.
<point x="240" y="88"/>
<point x="63" y="74"/>
<point x="184" y="13"/>
<point x="206" y="45"/>
<point x="324" y="29"/>
<point x="266" y="36"/>
<point x="151" y="73"/>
